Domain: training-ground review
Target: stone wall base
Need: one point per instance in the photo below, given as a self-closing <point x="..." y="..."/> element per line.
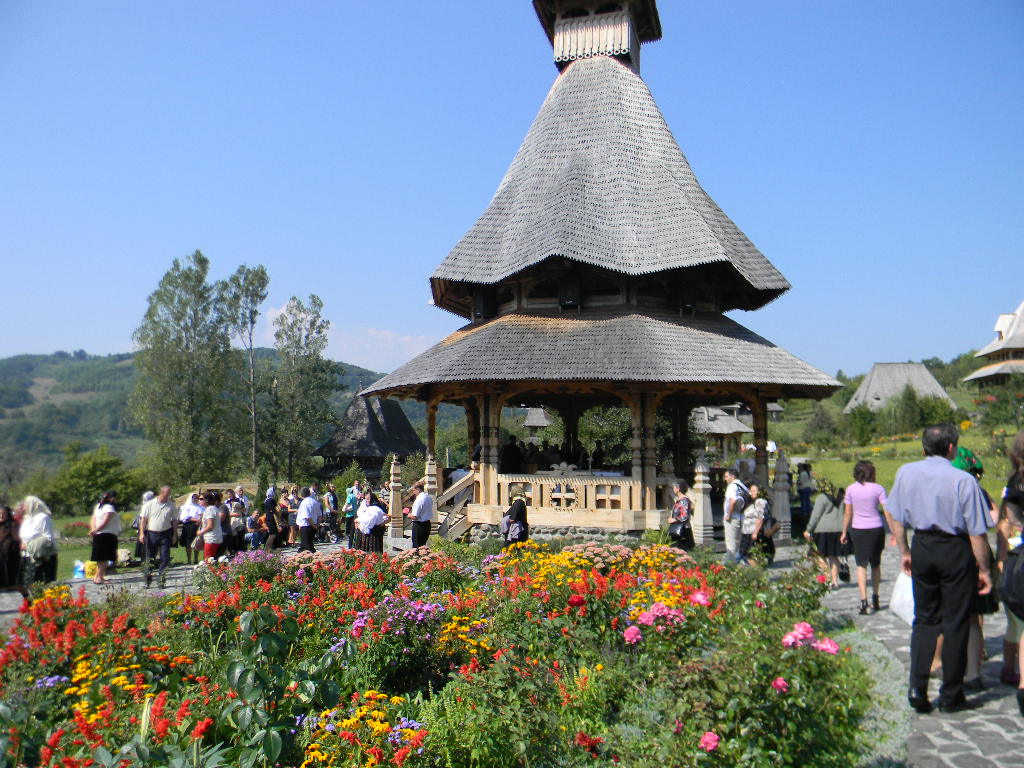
<point x="483" y="531"/>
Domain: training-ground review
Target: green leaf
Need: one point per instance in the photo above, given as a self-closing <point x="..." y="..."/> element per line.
<point x="272" y="745"/>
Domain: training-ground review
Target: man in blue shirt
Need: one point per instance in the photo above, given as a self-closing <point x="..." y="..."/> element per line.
<point x="948" y="560"/>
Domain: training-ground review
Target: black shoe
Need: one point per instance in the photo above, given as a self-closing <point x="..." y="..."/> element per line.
<point x="1020" y="700"/>
<point x="918" y="701"/>
<point x="974" y="686"/>
<point x="864" y="610"/>
<point x="874" y="603"/>
<point x="149" y="579"/>
<point x="960" y="704"/>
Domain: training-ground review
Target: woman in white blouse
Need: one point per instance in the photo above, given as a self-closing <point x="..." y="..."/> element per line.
<point x="370" y="520"/>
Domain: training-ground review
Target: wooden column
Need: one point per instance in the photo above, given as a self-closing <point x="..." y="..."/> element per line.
<point x="650" y="451"/>
<point x="759" y="410"/>
<point x="472" y="431"/>
<point x="703" y="521"/>
<point x="486" y="480"/>
<point x="397" y="523"/>
<point x="780" y="500"/>
<point x="431" y="468"/>
<point x="636" y="443"/>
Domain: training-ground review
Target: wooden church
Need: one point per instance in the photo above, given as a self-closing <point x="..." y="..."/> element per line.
<point x="600" y="274"/>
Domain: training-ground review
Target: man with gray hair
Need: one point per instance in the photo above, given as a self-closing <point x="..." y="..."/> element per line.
<point x="948" y="560"/>
<point x="157" y="523"/>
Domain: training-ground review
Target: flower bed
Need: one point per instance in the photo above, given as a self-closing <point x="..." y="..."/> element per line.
<point x="590" y="655"/>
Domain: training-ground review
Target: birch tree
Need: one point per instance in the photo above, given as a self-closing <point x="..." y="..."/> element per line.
<point x="245" y="291"/>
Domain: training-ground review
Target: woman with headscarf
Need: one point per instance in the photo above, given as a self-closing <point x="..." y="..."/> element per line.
<point x="514" y="526"/>
<point x="371" y="521"/>
<point x="104" y="528"/>
<point x="270" y="518"/>
<point x="10" y="554"/>
<point x="38" y="541"/>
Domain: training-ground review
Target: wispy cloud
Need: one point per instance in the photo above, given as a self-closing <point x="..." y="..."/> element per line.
<point x="379" y="349"/>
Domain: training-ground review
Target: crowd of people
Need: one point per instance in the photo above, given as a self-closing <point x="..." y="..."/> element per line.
<point x="939" y="499"/>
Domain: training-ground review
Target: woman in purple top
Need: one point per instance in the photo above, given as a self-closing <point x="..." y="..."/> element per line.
<point x="863" y="525"/>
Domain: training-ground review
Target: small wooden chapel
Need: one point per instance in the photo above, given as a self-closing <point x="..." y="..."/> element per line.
<point x="600" y="274"/>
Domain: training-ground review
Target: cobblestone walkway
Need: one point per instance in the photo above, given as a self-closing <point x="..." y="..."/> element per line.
<point x="987" y="737"/>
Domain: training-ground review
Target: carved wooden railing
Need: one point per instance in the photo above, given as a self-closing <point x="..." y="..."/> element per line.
<point x="451" y="507"/>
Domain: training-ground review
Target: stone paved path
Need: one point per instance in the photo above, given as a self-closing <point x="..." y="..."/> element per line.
<point x="991" y="735"/>
<point x="988" y="737"/>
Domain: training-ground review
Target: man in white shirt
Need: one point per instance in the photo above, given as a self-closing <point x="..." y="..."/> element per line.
<point x="307" y="519"/>
<point x="733" y="518"/>
<point x="422" y="514"/>
<point x="157" y="522"/>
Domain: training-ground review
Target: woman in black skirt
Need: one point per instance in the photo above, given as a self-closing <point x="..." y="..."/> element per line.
<point x="826" y="526"/>
<point x="106" y="525"/>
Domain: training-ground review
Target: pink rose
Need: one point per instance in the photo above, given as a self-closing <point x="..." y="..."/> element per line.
<point x="803" y="630"/>
<point x="632" y="635"/>
<point x="790" y="640"/>
<point x="822" y="578"/>
<point x="759" y="603"/>
<point x="709" y="741"/>
<point x="646" y="618"/>
<point x="826" y="644"/>
<point x="700" y="597"/>
<point x="780" y="685"/>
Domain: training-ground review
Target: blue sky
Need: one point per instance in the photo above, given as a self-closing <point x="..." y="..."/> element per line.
<point x="872" y="150"/>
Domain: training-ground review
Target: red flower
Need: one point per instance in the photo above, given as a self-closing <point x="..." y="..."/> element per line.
<point x="401" y="755"/>
<point x="201" y="728"/>
<point x="577" y="600"/>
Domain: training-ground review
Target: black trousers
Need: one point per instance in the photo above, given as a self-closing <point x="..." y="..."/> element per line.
<point x="945" y="580"/>
<point x="420" y="532"/>
<point x="158" y="543"/>
<point x="306" y="538"/>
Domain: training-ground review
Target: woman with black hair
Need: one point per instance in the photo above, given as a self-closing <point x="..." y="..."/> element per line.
<point x="514" y="525"/>
<point x="104" y="529"/>
<point x="10" y="554"/>
<point x="864" y="521"/>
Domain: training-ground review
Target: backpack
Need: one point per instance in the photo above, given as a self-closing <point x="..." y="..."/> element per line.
<point x="1011" y="583"/>
<point x="743" y="498"/>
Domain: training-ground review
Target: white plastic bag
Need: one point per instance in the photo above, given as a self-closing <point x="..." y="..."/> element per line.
<point x="902" y="601"/>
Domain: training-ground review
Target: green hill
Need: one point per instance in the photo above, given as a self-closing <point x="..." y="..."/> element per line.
<point x="48" y="401"/>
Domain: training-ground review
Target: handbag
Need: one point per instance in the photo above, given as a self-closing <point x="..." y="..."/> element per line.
<point x="198" y="543"/>
<point x="844" y="570"/>
<point x="678" y="530"/>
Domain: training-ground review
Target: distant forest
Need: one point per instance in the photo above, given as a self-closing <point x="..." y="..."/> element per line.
<point x="49" y="401"/>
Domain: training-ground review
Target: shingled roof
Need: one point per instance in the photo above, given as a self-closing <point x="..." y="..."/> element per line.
<point x="1009" y="334"/>
<point x="715" y="421"/>
<point x="372" y="428"/>
<point x="888" y="380"/>
<point x="600" y="179"/>
<point x="606" y="345"/>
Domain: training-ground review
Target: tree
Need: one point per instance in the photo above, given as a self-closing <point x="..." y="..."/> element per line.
<point x="182" y="396"/>
<point x="860" y="423"/>
<point x="906" y="411"/>
<point x="77" y="485"/>
<point x="303" y="382"/>
<point x="1004" y="403"/>
<point x="245" y="291"/>
<point x="821" y="428"/>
